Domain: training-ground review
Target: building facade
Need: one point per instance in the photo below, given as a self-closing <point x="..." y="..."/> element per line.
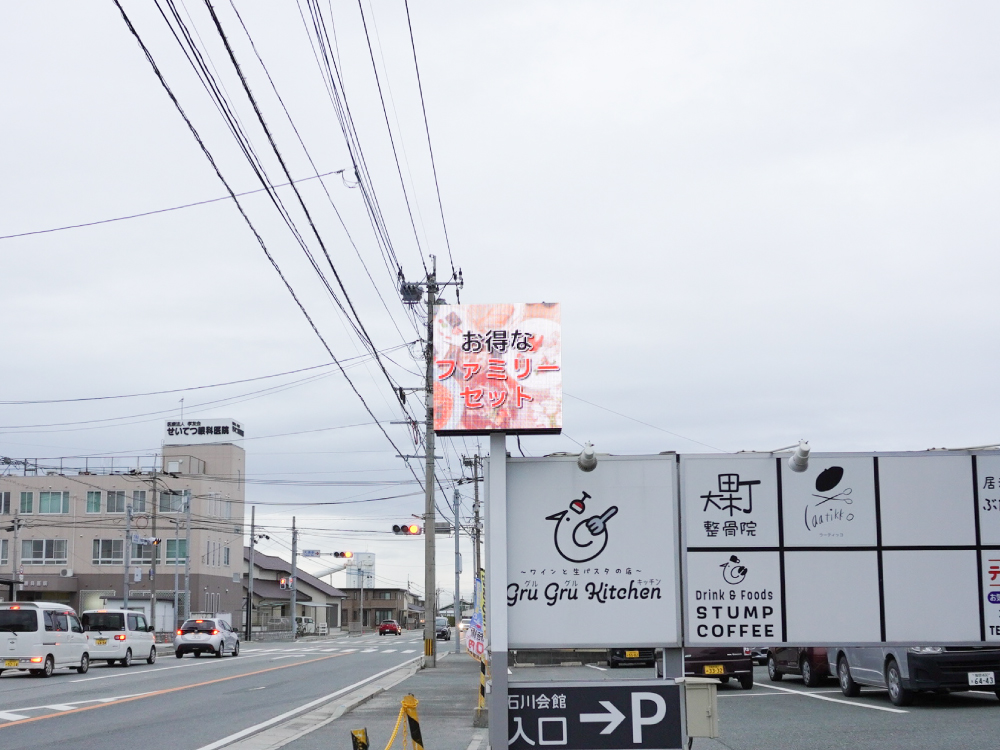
<point x="79" y="531"/>
<point x="379" y="605"/>
<point x="272" y="604"/>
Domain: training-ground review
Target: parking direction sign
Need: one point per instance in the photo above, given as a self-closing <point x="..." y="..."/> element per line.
<point x="620" y="715"/>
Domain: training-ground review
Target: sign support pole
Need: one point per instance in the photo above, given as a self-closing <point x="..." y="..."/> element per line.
<point x="496" y="567"/>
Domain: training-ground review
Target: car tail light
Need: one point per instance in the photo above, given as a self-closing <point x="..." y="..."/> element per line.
<point x="215" y="632"/>
<point x="15" y="607"/>
<point x="119" y="637"/>
<point x="747" y="652"/>
<point x="180" y="632"/>
<point x="36" y="660"/>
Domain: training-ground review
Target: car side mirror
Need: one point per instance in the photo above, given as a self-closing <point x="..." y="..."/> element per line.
<point x="150" y="628"/>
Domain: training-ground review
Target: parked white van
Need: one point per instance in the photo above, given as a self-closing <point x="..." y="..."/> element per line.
<point x="119" y="635"/>
<point x="41" y="637"/>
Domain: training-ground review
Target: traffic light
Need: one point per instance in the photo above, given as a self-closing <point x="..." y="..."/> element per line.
<point x="155" y="541"/>
<point x="343" y="554"/>
<point x="283" y="583"/>
<point x="408" y="529"/>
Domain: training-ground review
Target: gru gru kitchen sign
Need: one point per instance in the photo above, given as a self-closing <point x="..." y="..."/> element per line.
<point x="592" y="553"/>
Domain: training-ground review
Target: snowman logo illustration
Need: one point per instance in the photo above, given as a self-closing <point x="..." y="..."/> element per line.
<point x="579" y="539"/>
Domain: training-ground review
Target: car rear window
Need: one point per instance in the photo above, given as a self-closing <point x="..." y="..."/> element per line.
<point x="18" y="621"/>
<point x="103" y="621"/>
<point x="199" y="626"/>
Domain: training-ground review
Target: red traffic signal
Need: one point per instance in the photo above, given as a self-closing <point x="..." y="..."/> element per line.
<point x="409" y="529"/>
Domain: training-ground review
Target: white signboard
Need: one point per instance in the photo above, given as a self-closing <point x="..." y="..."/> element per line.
<point x="592" y="556"/>
<point x="200" y="431"/>
<point x="859" y="548"/>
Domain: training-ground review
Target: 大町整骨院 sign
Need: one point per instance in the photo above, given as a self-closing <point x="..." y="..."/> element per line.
<point x="497" y="368"/>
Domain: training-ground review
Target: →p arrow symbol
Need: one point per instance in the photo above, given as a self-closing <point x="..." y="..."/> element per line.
<point x="614" y="717"/>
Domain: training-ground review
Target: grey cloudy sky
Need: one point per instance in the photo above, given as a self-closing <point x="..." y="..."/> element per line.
<point x="764" y="221"/>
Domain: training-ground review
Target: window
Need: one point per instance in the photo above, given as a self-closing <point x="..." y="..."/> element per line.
<point x="53" y="502"/>
<point x="116" y="501"/>
<point x="27" y="501"/>
<point x="143" y="553"/>
<point x="93" y="501"/>
<point x="4" y="503"/>
<point x="176" y="551"/>
<point x="74" y="624"/>
<point x="225" y="556"/>
<point x="43" y="551"/>
<point x="56" y="621"/>
<point x="138" y="501"/>
<point x="109" y="552"/>
<point x="4" y="551"/>
<point x="174" y="501"/>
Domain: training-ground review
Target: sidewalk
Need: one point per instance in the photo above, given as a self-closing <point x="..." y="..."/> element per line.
<point x="447" y="695"/>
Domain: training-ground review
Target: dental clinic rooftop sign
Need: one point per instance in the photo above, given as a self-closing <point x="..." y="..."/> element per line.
<point x="197" y="431"/>
<point x="498" y="368"/>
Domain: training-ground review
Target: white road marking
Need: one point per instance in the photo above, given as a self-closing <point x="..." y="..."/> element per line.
<point x="304" y="707"/>
<point x="60" y="707"/>
<point x="409" y="651"/>
<point x="594" y="666"/>
<point x="329" y="650"/>
<point x="388" y="651"/>
<point x="832" y="700"/>
<point x="136" y="672"/>
<point x="8" y="716"/>
<point x="368" y="650"/>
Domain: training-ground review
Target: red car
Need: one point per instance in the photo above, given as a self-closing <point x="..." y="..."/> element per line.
<point x="809" y="662"/>
<point x="391" y="627"/>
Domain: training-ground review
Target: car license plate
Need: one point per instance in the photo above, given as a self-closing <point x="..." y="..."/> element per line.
<point x="10" y="662"/>
<point x="631" y="654"/>
<point x="714" y="669"/>
<point x="101" y="641"/>
<point x="982" y="678"/>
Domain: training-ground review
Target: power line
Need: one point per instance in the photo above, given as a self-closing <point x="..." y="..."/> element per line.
<point x="156" y="211"/>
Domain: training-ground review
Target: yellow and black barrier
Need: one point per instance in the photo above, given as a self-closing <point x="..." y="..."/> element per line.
<point x="482" y="683"/>
<point x="411" y="728"/>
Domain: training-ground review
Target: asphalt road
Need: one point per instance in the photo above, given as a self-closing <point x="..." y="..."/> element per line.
<point x="189" y="703"/>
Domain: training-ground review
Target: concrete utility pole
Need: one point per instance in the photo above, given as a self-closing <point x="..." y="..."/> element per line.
<point x="128" y="552"/>
<point x="457" y="605"/>
<point x="292" y="581"/>
<point x="430" y="585"/>
<point x="187" y="554"/>
<point x="177" y="543"/>
<point x="253" y="541"/>
<point x="475" y="462"/>
<point x="156" y="554"/>
<point x="17" y="555"/>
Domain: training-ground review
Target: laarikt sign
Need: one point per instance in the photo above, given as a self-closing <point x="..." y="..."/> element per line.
<point x="198" y="431"/>
<point x="592" y="555"/>
<point x="498" y="368"/>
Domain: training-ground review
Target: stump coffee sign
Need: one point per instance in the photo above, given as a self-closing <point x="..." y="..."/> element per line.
<point x="592" y="556"/>
<point x="857" y="549"/>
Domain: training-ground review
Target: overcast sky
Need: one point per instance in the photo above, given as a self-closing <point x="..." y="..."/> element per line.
<point x="764" y="222"/>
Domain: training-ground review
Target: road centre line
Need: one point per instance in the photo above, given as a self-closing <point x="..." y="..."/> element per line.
<point x="71" y="706"/>
<point x="304" y="707"/>
<point x="145" y="671"/>
<point x="832" y="700"/>
<point x="166" y="691"/>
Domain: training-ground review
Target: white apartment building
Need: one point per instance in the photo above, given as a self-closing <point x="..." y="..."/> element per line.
<point x="73" y="530"/>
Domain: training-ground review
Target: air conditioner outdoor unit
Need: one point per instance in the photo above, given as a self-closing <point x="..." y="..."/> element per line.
<point x="66" y="573"/>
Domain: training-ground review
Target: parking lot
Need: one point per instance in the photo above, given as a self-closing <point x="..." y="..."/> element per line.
<point x="790" y="715"/>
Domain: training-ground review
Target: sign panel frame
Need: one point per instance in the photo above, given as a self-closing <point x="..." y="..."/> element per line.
<point x="593" y="548"/>
<point x="895" y="548"/>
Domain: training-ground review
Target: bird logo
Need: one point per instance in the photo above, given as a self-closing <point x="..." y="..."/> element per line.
<point x="732" y="571"/>
<point x="580" y="540"/>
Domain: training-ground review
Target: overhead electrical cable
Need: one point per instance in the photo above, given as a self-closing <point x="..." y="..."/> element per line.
<point x="246" y="218"/>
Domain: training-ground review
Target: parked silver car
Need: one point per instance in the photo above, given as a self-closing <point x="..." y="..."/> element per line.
<point x="199" y="637"/>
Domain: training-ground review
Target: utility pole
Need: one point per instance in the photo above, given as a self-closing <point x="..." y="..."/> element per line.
<point x="187" y="554"/>
<point x="475" y="462"/>
<point x="253" y="540"/>
<point x="295" y="551"/>
<point x="128" y="553"/>
<point x="457" y="605"/>
<point x="156" y="554"/>
<point x="17" y="554"/>
<point x="430" y="613"/>
<point x="177" y="543"/>
<point x="411" y="296"/>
